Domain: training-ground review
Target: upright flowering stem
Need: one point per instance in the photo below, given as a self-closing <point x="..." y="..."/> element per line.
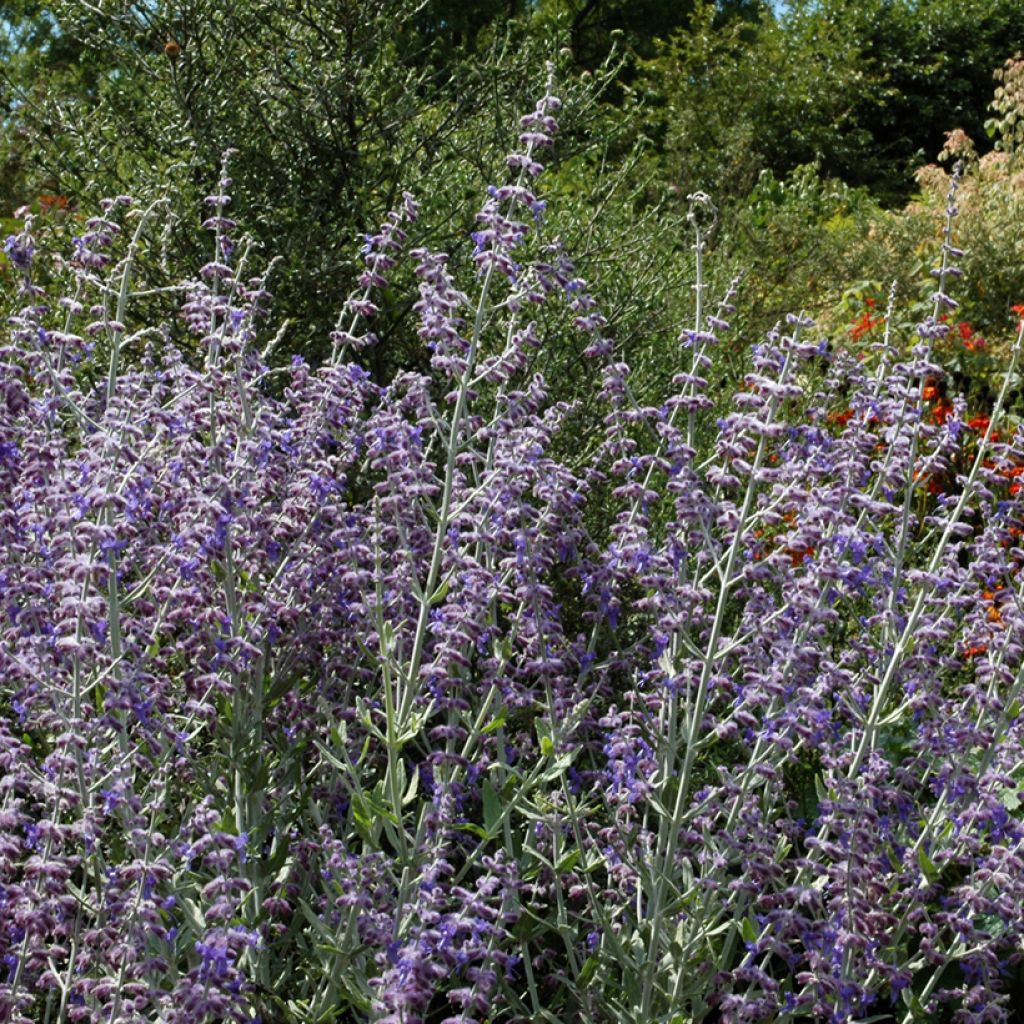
<point x="941" y="301"/>
<point x="115" y="333"/>
<point x="115" y="330"/>
<point x="455" y="443"/>
<point x="671" y="824"/>
<point x="880" y="699"/>
<point x="700" y="207"/>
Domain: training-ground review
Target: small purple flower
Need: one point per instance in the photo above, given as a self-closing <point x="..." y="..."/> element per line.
<point x="20" y="249"/>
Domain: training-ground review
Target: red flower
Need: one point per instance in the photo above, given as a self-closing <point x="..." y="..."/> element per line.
<point x="971" y="341"/>
<point x="934" y="483"/>
<point x="866" y="323"/>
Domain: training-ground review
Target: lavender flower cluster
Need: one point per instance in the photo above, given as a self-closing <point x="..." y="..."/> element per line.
<point x="327" y="700"/>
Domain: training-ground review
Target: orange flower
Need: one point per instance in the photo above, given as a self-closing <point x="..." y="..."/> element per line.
<point x="51" y="202"/>
<point x="797" y="555"/>
<point x="993" y="612"/>
<point x="942" y="411"/>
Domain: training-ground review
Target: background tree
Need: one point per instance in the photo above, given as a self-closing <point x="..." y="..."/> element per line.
<point x="924" y="67"/>
<point x="798" y="124"/>
<point x="333" y="111"/>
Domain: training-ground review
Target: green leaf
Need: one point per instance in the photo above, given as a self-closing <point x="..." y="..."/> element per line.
<point x="369" y="810"/>
<point x="441" y="593"/>
<point x="410" y="793"/>
<point x="494" y="723"/>
<point x="492" y="807"/>
<point x="547" y="744"/>
<point x="748" y="930"/>
<point x="526" y="927"/>
<point x="227" y="824"/>
<point x="330" y="758"/>
<point x="378" y="803"/>
<point x="568" y="861"/>
<point x="560" y="764"/>
<point x="397" y="784"/>
<point x="911" y="1000"/>
<point x="820" y="789"/>
<point x="588" y="970"/>
<point x="928" y="868"/>
<point x="416" y="722"/>
<point x="193" y="915"/>
<point x="1010" y="799"/>
<point x="317" y="922"/>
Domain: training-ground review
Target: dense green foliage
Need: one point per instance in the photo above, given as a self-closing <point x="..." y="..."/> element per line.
<point x="805" y="123"/>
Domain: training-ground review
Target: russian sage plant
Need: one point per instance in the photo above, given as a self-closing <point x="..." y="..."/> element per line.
<point x="322" y="700"/>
